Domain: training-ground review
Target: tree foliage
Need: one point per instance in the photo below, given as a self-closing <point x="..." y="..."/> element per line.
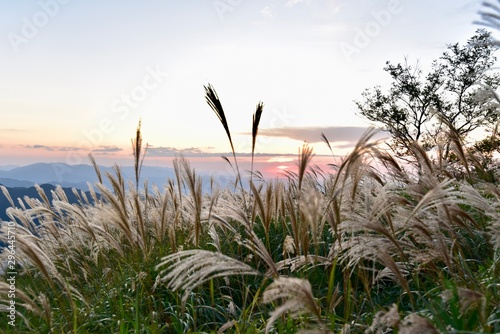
<point x="457" y="92"/>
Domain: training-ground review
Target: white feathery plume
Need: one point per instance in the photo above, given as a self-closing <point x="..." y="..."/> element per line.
<point x="298" y="297"/>
<point x="185" y="270"/>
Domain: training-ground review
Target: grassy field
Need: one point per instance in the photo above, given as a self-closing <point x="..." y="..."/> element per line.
<point x="402" y="248"/>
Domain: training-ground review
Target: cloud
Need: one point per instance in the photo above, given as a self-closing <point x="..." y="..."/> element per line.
<point x="340" y="136"/>
<point x="100" y="149"/>
<point x="12" y="130"/>
<point x="107" y="149"/>
<point x="322" y="10"/>
<point x="291" y="3"/>
<point x="267" y="12"/>
<point x="163" y="151"/>
<point x="334" y="8"/>
<point x="51" y="148"/>
<point x="36" y="147"/>
<point x="167" y="151"/>
<point x="346" y="135"/>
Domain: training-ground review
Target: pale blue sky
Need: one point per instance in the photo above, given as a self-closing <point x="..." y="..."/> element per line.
<point x="82" y="79"/>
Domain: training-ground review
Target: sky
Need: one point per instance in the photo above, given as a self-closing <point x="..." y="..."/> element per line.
<point x="77" y="76"/>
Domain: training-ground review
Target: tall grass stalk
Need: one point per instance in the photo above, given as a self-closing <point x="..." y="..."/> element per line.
<point x="138" y="154"/>
<point x="213" y="101"/>
<point x="255" y="130"/>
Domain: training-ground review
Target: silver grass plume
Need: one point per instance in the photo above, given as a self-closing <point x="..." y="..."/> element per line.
<point x="382" y="321"/>
<point x="298" y="297"/>
<point x="194" y="184"/>
<point x="185" y="270"/>
<point x="298" y="262"/>
<point x="416" y="324"/>
<point x="23" y="299"/>
<point x="213" y="101"/>
<point x="251" y="240"/>
<point x="138" y="152"/>
<point x="255" y="129"/>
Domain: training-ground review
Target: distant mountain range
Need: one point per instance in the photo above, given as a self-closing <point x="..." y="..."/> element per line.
<point x="31" y="192"/>
<point x="75" y="176"/>
<point x="20" y="181"/>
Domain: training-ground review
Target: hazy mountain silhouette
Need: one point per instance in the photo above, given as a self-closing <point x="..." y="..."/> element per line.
<point x="15" y="183"/>
<point x="20" y="181"/>
<point x="75" y="176"/>
<point x="8" y="167"/>
<point x="17" y="193"/>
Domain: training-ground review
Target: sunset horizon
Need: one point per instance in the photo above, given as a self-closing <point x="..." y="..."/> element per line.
<point x="71" y="88"/>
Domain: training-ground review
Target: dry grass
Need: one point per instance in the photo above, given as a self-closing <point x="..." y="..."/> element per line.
<point x="314" y="252"/>
<point x="298" y="297"/>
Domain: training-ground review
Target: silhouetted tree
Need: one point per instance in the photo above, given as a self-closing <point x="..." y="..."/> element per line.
<point x="458" y="92"/>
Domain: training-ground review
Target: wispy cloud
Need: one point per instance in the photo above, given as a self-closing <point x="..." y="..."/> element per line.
<point x="322" y="10"/>
<point x="107" y="149"/>
<point x="348" y="135"/>
<point x="267" y="12"/>
<point x="167" y="151"/>
<point x="291" y="3"/>
<point x="100" y="149"/>
<point x="334" y="7"/>
<point x="51" y="148"/>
